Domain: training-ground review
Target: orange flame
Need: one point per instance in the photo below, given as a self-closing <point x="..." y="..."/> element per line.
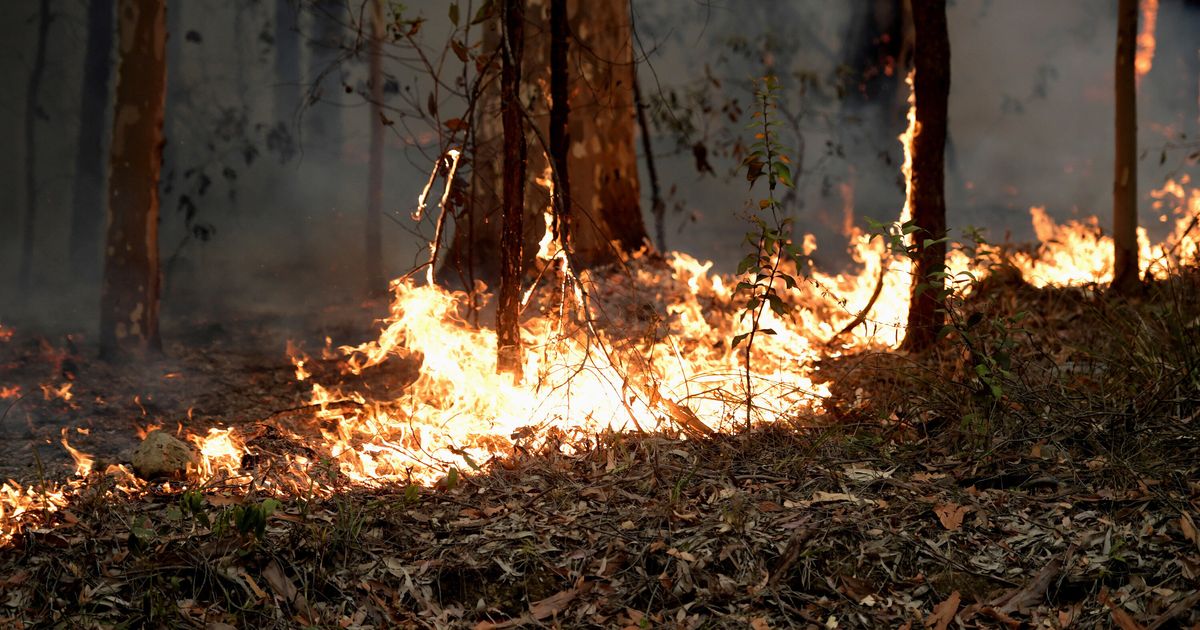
<point x="1144" y="57"/>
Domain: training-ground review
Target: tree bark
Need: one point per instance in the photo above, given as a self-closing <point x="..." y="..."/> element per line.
<point x="606" y="216"/>
<point x="508" y="330"/>
<point x="32" y="113"/>
<point x="376" y="281"/>
<point x="130" y="297"/>
<point x="560" y="113"/>
<point x="931" y="90"/>
<point x="87" y="210"/>
<point x="1125" y="248"/>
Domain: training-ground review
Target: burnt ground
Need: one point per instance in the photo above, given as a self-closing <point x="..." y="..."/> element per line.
<point x="1070" y="499"/>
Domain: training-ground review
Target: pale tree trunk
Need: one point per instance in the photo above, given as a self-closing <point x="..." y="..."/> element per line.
<point x="508" y="310"/>
<point x="376" y="282"/>
<point x="606" y="216"/>
<point x="1125" y="252"/>
<point x="32" y="113"/>
<point x="87" y="209"/>
<point x="132" y="282"/>
<point x="287" y="61"/>
<point x="931" y="90"/>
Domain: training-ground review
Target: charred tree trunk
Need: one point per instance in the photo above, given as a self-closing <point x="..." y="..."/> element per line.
<point x="324" y="118"/>
<point x="508" y="329"/>
<point x="132" y="282"/>
<point x="606" y="216"/>
<point x="931" y="91"/>
<point x="87" y="210"/>
<point x="376" y="282"/>
<point x="32" y="113"/>
<point x="560" y="112"/>
<point x="1125" y="248"/>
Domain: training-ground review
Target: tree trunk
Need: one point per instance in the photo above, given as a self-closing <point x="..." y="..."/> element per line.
<point x="32" y="113"/>
<point x="376" y="282"/>
<point x="88" y="188"/>
<point x="287" y="61"/>
<point x="129" y="300"/>
<point x="324" y="118"/>
<point x="1125" y="248"/>
<point x="606" y="216"/>
<point x="560" y="113"/>
<point x="508" y="330"/>
<point x="931" y="90"/>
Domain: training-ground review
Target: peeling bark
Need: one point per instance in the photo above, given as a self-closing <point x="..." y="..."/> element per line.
<point x="132" y="281"/>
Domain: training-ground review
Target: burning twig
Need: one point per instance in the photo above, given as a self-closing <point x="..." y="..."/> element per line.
<point x="441" y="222"/>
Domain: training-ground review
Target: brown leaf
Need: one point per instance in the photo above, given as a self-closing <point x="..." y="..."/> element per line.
<point x="759" y="623"/>
<point x="283" y="586"/>
<point x="1189" y="528"/>
<point x="944" y="612"/>
<point x="552" y="605"/>
<point x="1124" y="620"/>
<point x="951" y="515"/>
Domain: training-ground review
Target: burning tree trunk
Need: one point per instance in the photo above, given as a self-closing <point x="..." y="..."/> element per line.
<point x="606" y="217"/>
<point x="88" y="188"/>
<point x="1125" y="252"/>
<point x="129" y="299"/>
<point x="32" y="113"/>
<point x="508" y="332"/>
<point x="926" y="194"/>
<point x="376" y="282"/>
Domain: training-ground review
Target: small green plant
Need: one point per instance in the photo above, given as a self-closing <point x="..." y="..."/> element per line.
<point x="770" y="240"/>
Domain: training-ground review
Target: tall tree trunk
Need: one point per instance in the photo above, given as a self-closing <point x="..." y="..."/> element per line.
<point x="287" y="61"/>
<point x="376" y="282"/>
<point x="931" y="90"/>
<point x="87" y="209"/>
<point x="560" y="112"/>
<point x="132" y="282"/>
<point x="606" y="216"/>
<point x="1125" y="249"/>
<point x="658" y="209"/>
<point x="32" y="113"/>
<point x="508" y="312"/>
<point x="324" y="119"/>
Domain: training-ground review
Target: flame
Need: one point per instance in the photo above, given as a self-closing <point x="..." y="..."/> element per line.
<point x="1144" y="57"/>
<point x="10" y="391"/>
<point x="83" y="461"/>
<point x="6" y="334"/>
<point x="61" y="392"/>
<point x="643" y="348"/>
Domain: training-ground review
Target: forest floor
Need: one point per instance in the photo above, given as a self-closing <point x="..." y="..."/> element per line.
<point x="1057" y="487"/>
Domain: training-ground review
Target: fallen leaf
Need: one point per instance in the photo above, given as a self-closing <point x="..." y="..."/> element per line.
<point x="552" y="605"/>
<point x="1189" y="528"/>
<point x="944" y="612"/>
<point x="951" y="515"/>
<point x="759" y="623"/>
<point x="1124" y="620"/>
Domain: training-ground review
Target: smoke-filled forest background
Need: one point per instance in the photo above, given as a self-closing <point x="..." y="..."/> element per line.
<point x="264" y="178"/>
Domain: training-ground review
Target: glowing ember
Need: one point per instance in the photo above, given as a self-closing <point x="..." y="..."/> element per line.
<point x="6" y="334"/>
<point x="10" y="392"/>
<point x="60" y="392"/>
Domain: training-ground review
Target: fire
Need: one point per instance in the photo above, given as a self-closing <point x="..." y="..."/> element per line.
<point x="60" y="392"/>
<point x="83" y="461"/>
<point x="1144" y="57"/>
<point x="8" y="392"/>
<point x="6" y="334"/>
